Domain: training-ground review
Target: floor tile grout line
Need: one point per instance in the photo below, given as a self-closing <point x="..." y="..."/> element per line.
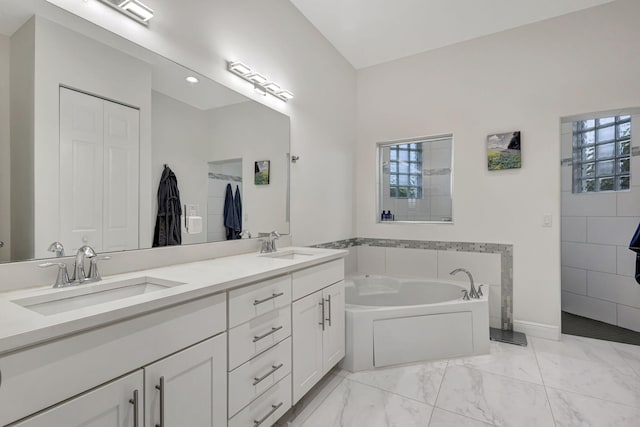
<point x="463" y="416"/>
<point x="593" y="397"/>
<point x="624" y="358"/>
<point x="500" y="375"/>
<point x="544" y="385"/>
<point x="435" y="401"/>
<point x="301" y="423"/>
<point x="388" y="391"/>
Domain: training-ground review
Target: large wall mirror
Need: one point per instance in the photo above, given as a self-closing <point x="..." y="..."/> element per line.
<point x="90" y="122"/>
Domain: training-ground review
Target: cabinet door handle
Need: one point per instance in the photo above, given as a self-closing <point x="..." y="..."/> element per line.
<point x="274" y="368"/>
<point x="260" y="301"/>
<point x="272" y="331"/>
<point x="322" y="316"/>
<point x="136" y="408"/>
<point x="274" y="408"/>
<point x="161" y="389"/>
<point x="329" y="302"/>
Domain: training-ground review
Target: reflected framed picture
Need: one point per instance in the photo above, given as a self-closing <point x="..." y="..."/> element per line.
<point x="261" y="172"/>
<point x="503" y="151"/>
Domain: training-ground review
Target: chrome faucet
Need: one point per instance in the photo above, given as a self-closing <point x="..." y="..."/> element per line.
<point x="79" y="275"/>
<point x="269" y="242"/>
<point x="473" y="293"/>
<point x="57" y="248"/>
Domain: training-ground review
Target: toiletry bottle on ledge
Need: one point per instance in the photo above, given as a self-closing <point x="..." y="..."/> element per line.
<point x="382" y="216"/>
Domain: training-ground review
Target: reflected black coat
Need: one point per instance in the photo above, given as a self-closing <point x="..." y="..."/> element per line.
<point x="168" y="229"/>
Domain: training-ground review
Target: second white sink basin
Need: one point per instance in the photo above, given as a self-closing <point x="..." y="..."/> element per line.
<point x="289" y="255"/>
<point x="92" y="294"/>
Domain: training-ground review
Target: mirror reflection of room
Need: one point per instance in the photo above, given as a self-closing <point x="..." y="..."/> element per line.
<point x="103" y="121"/>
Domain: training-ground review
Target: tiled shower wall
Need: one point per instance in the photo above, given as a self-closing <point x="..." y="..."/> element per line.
<point x="597" y="266"/>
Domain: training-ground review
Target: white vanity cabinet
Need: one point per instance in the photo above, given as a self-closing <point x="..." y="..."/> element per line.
<point x="116" y="404"/>
<point x="318" y="325"/>
<point x="188" y="388"/>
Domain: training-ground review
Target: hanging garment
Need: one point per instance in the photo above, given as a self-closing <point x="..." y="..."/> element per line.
<point x="237" y="204"/>
<point x="231" y="222"/>
<point x="635" y="246"/>
<point x="168" y="229"/>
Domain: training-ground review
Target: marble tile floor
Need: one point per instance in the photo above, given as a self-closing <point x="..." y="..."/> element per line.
<point x="574" y="382"/>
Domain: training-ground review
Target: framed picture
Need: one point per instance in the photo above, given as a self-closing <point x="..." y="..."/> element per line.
<point x="503" y="151"/>
<point x="261" y="176"/>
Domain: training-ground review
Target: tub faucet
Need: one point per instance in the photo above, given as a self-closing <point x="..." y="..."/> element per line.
<point x="473" y="293"/>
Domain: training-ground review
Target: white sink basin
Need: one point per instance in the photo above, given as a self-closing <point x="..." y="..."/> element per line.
<point x="68" y="299"/>
<point x="295" y="255"/>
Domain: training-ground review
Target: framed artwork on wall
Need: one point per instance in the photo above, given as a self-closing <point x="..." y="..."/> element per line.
<point x="261" y="172"/>
<point x="503" y="151"/>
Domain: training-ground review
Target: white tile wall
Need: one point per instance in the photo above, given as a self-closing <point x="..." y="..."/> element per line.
<point x="629" y="317"/>
<point x="574" y="280"/>
<point x="589" y="256"/>
<point x="351" y="261"/>
<point x="412" y="262"/>
<point x="574" y="229"/>
<point x="371" y="260"/>
<point x="597" y="266"/>
<point x="614" y="288"/>
<point x="592" y="308"/>
<point x="611" y="230"/>
<point x="626" y="261"/>
<point x="597" y="204"/>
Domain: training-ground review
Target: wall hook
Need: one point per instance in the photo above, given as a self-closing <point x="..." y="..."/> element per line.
<point x="295" y="158"/>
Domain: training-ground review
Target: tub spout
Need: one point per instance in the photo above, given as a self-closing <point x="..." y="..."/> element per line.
<point x="473" y="293"/>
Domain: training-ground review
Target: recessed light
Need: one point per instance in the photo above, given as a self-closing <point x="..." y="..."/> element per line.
<point x="192" y="79"/>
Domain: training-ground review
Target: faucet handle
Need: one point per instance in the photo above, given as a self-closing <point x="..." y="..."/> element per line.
<point x="465" y="297"/>
<point x="62" y="279"/>
<point x="94" y="274"/>
<point x="480" y="290"/>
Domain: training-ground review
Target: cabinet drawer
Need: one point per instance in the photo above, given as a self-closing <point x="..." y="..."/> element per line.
<point x="310" y="280"/>
<point x="257" y="375"/>
<point x="53" y="372"/>
<point x="252" y="301"/>
<point x="257" y="335"/>
<point x="267" y="409"/>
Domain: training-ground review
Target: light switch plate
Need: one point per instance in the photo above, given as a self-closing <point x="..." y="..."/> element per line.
<point x="547" y="220"/>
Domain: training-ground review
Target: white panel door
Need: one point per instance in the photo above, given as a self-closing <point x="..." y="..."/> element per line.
<point x="333" y="344"/>
<point x="81" y="165"/>
<point x="112" y="405"/>
<point x="189" y="388"/>
<point x="307" y="343"/>
<point x="121" y="160"/>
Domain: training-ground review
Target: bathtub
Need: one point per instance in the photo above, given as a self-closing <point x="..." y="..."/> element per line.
<point x="391" y="321"/>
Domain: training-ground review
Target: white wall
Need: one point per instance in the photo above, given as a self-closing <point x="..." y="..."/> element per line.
<point x="524" y="79"/>
<point x="598" y="268"/>
<point x="252" y="132"/>
<point x="180" y="139"/>
<point x="276" y="39"/>
<point x="5" y="153"/>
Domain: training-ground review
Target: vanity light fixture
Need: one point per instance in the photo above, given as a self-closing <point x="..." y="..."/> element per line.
<point x="261" y="84"/>
<point x="191" y="79"/>
<point x="134" y="9"/>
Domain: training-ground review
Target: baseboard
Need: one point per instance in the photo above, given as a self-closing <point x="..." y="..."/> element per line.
<point x="539" y="330"/>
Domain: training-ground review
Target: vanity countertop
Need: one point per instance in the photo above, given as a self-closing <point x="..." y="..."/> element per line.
<point x="21" y="327"/>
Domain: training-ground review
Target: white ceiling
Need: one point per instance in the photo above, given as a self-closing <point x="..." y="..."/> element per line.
<point x="369" y="32"/>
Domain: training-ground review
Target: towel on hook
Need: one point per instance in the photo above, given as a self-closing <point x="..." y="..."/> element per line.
<point x="231" y="222"/>
<point x="237" y="204"/>
<point x="635" y="246"/>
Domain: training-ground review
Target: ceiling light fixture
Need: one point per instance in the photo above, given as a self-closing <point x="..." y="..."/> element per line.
<point x="261" y="84"/>
<point x="192" y="79"/>
<point x="134" y="9"/>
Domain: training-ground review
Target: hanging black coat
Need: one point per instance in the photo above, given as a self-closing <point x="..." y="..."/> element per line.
<point x="168" y="230"/>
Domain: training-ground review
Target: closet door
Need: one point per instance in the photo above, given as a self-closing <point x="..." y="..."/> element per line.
<point x="81" y="170"/>
<point x="121" y="160"/>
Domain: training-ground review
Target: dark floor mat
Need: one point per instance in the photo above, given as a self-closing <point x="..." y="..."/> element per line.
<point x="584" y="327"/>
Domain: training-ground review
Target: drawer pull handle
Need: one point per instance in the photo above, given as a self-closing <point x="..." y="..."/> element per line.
<point x="274" y="368"/>
<point x="329" y="302"/>
<point x="272" y="331"/>
<point x="260" y="301"/>
<point x="321" y="304"/>
<point x="161" y="389"/>
<point x="274" y="408"/>
<point x="136" y="408"/>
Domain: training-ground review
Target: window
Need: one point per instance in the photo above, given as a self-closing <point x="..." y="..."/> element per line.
<point x="405" y="171"/>
<point x="602" y="154"/>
